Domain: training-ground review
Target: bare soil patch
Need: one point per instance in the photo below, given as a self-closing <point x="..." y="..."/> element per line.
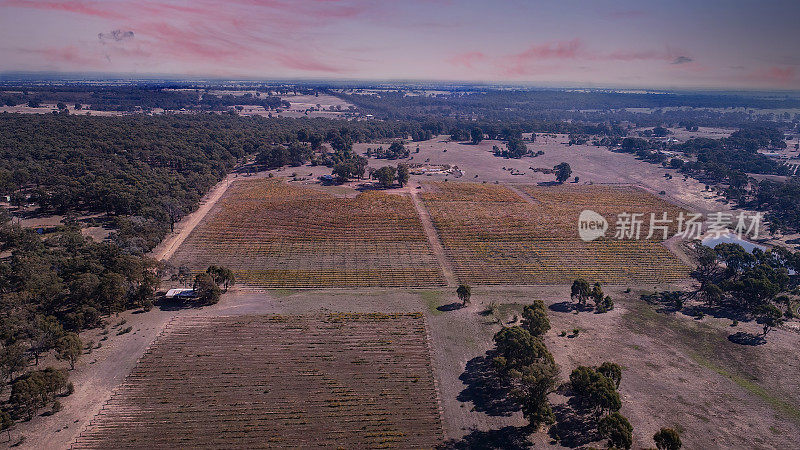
<point x="591" y="164"/>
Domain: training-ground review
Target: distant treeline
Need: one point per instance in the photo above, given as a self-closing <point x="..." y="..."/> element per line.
<point x="728" y="162"/>
<point x="590" y="107"/>
<point x="490" y="105"/>
<point x="133" y="98"/>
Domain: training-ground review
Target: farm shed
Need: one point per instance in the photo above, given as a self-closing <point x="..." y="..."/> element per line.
<point x="180" y="293"/>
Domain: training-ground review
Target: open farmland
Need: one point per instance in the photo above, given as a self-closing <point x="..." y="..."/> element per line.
<point x="494" y="236"/>
<point x="338" y="380"/>
<point x="273" y="234"/>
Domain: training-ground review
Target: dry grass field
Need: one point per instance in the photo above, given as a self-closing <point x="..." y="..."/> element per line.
<point x="337" y="381"/>
<point x="494" y="236"/>
<point x="678" y="372"/>
<point x="274" y="234"/>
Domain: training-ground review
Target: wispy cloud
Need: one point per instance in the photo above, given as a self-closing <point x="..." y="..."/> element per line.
<point x="86" y="8"/>
<point x="274" y="33"/>
<point x="115" y="35"/>
<point x="774" y="76"/>
<point x="532" y="59"/>
<point x="468" y="60"/>
<point x="682" y="60"/>
<point x="67" y="54"/>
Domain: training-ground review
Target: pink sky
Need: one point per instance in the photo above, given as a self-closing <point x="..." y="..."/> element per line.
<point x="718" y="43"/>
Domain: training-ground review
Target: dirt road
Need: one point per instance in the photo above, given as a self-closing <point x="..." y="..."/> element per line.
<point x="167" y="247"/>
<point x="433" y="236"/>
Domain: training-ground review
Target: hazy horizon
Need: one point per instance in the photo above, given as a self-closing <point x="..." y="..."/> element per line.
<point x="740" y="45"/>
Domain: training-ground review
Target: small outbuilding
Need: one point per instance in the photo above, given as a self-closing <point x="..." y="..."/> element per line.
<point x="179" y="294"/>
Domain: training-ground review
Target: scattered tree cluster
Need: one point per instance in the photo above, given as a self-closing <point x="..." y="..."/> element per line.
<point x="596" y="390"/>
<point x="387" y="175"/>
<point x="522" y="359"/>
<point x="563" y="172"/>
<point x="35" y="390"/>
<point x="581" y="291"/>
<point x="756" y="284"/>
<point x="293" y="154"/>
<point x="396" y="150"/>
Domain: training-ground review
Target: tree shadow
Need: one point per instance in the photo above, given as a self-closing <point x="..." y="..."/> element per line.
<point x="667" y="305"/>
<point x="369" y="185"/>
<point x="575" y="425"/>
<point x="563" y="307"/>
<point x="666" y="302"/>
<point x="509" y="437"/>
<point x="450" y="307"/>
<point x="176" y="305"/>
<point x="744" y="338"/>
<point x="718" y="312"/>
<point x="548" y="183"/>
<point x="486" y="389"/>
<point x="567" y="307"/>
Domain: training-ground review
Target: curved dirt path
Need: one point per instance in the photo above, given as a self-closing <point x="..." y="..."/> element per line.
<point x="167" y="247"/>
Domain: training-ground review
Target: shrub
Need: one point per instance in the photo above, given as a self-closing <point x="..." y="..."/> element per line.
<point x="616" y="428"/>
<point x="667" y="439"/>
<point x="534" y="318"/>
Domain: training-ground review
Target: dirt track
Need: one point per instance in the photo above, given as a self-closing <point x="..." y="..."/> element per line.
<point x="433" y="237"/>
<point x="167" y="247"/>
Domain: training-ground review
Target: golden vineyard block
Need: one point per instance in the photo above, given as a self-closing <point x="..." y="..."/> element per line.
<point x="273" y="234"/>
<point x="494" y="236"/>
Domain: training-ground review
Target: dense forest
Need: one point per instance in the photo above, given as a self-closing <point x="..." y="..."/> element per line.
<point x="51" y="289"/>
<point x="147" y="171"/>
